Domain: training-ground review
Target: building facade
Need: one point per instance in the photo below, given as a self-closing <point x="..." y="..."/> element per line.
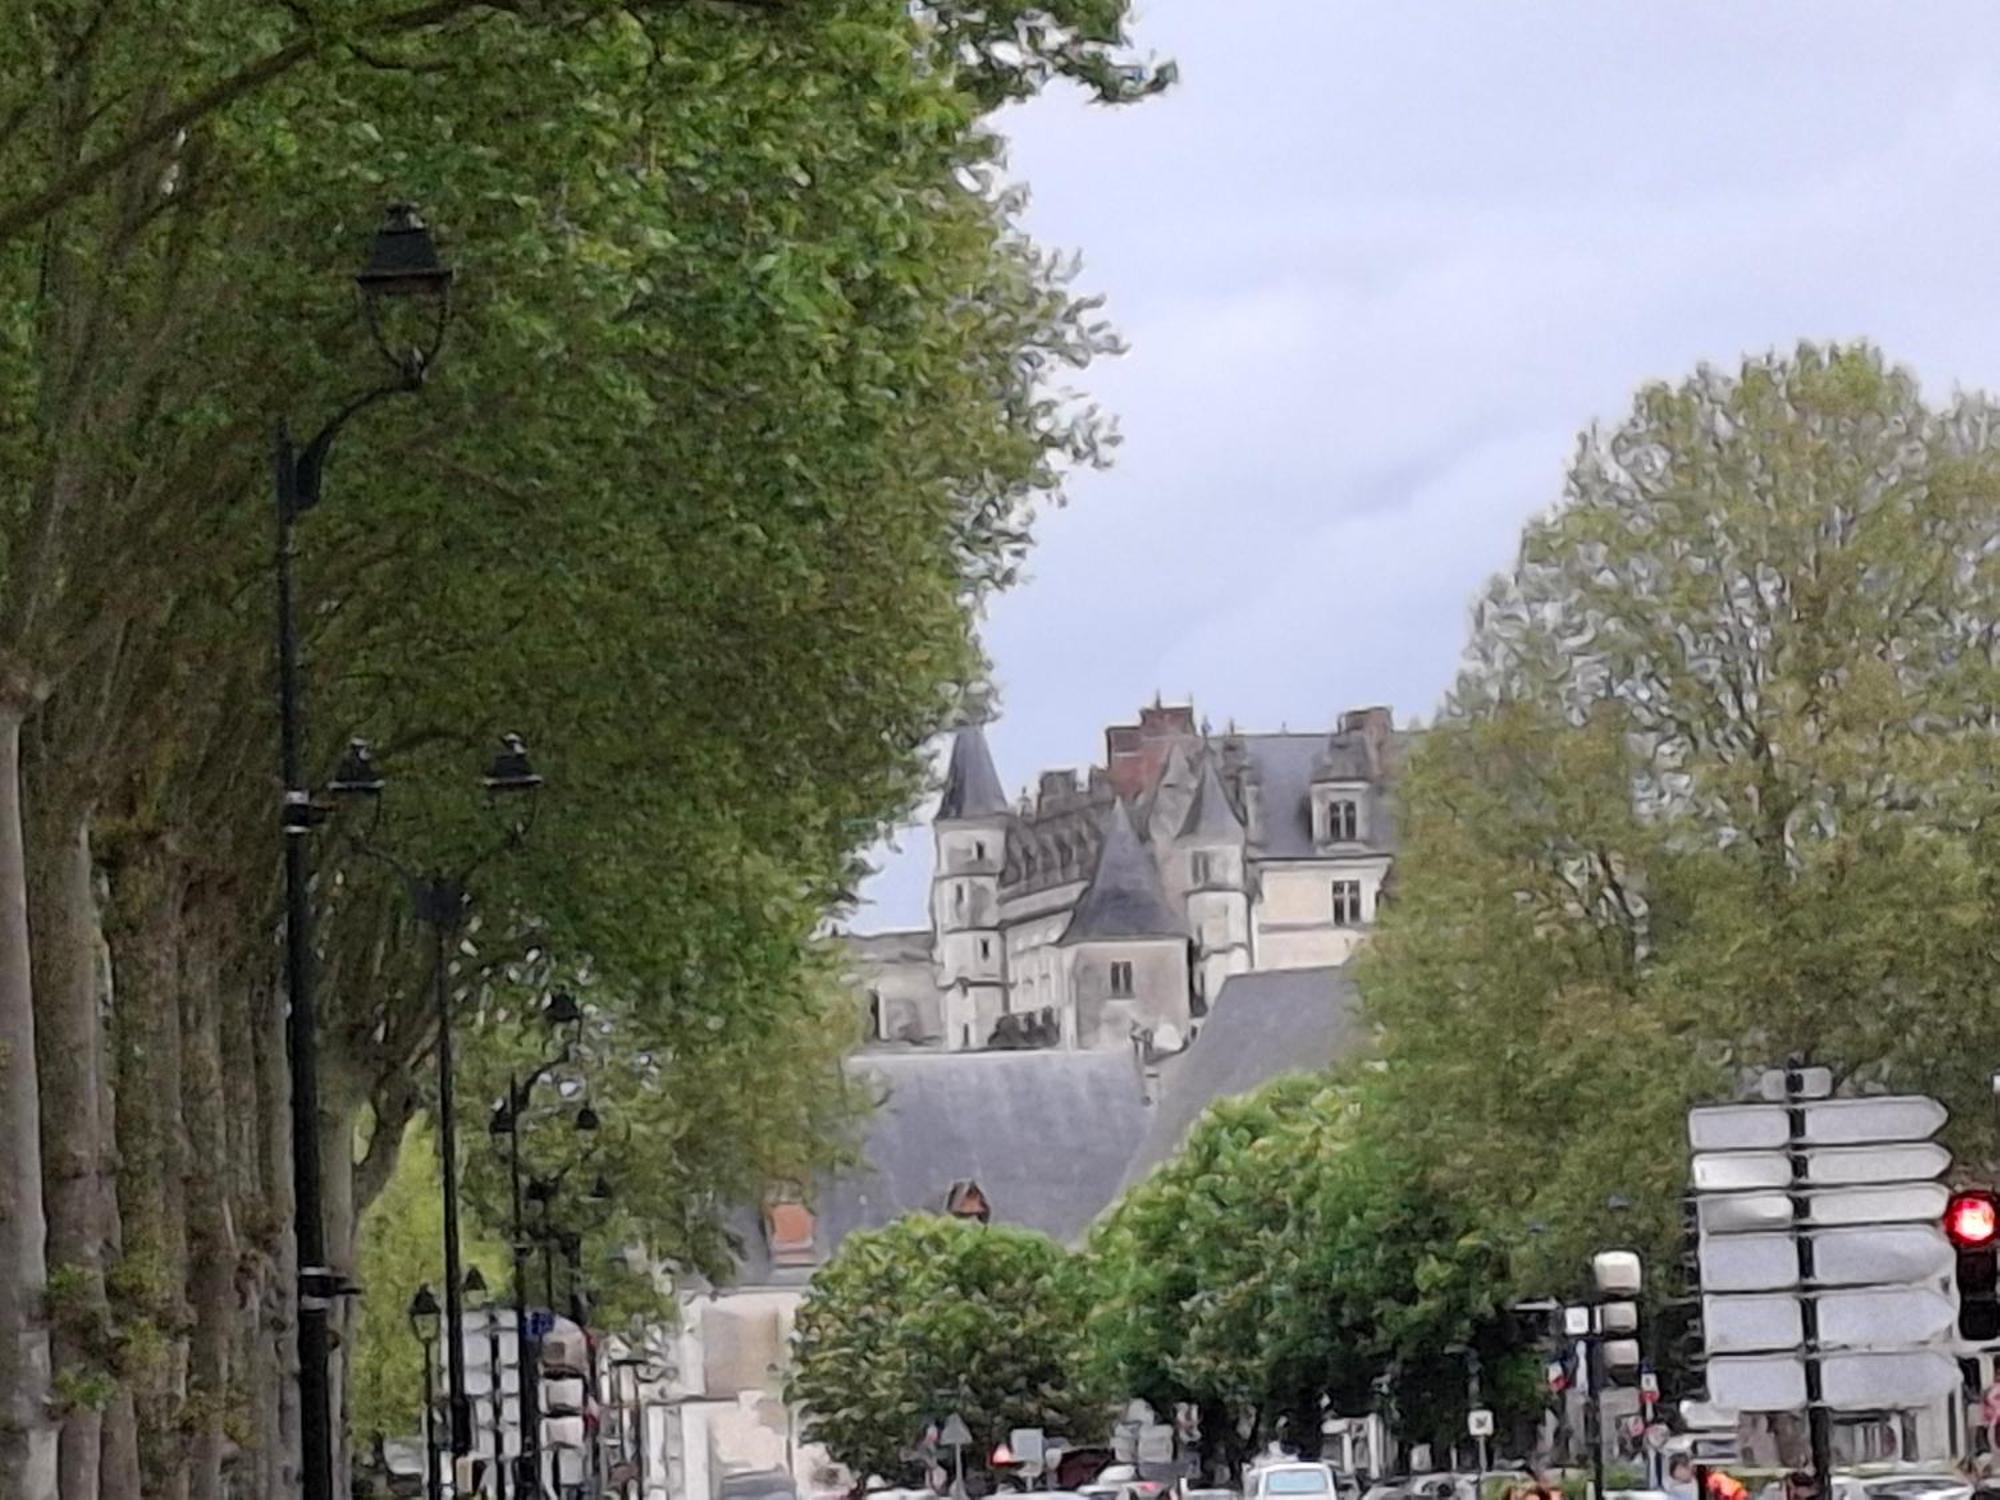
<point x="1115" y="903"/>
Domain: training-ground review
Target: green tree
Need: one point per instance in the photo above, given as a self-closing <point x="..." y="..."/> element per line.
<point x="1714" y="790"/>
<point x="747" y="404"/>
<point x="1286" y="1255"/>
<point x="929" y="1316"/>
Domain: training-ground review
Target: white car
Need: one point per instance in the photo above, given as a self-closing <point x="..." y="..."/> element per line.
<point x="1294" y="1481"/>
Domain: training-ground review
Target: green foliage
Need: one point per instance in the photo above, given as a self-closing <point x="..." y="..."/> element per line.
<point x="401" y="1249"/>
<point x="928" y="1316"/>
<point x="1286" y="1254"/>
<point x="1714" y="790"/>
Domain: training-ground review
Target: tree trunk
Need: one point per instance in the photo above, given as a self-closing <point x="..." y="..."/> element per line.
<point x="279" y="1342"/>
<point x="28" y="1443"/>
<point x="211" y="1233"/>
<point x="152" y="1159"/>
<point x="69" y="1060"/>
<point x="118" y="1462"/>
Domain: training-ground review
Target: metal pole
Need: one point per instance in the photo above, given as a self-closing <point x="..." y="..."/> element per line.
<point x="528" y="1473"/>
<point x="433" y="1478"/>
<point x="315" y="1278"/>
<point x="1594" y="1411"/>
<point x="454" y="1302"/>
<point x="491" y="1314"/>
<point x="1818" y="1422"/>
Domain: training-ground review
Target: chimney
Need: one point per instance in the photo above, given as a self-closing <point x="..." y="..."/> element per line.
<point x="1375" y="726"/>
<point x="1253" y="805"/>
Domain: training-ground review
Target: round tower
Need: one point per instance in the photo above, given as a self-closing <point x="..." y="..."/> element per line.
<point x="971" y="834"/>
<point x="1211" y="843"/>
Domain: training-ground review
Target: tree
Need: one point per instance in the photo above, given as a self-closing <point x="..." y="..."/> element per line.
<point x="929" y="1316"/>
<point x="1714" y="790"/>
<point x="747" y="403"/>
<point x="1286" y="1255"/>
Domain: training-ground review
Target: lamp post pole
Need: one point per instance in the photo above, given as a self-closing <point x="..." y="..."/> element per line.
<point x="402" y="265"/>
<point x="439" y="902"/>
<point x="423" y="1323"/>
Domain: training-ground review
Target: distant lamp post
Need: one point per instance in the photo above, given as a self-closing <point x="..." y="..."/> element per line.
<point x="424" y="1324"/>
<point x="403" y="268"/>
<point x="476" y="1301"/>
<point x="441" y="901"/>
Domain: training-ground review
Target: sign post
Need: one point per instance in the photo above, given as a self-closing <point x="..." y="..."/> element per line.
<point x="1825" y="1278"/>
<point x="955" y="1436"/>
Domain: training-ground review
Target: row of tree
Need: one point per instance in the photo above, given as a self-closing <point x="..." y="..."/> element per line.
<point x="1719" y="786"/>
<point x="746" y="403"/>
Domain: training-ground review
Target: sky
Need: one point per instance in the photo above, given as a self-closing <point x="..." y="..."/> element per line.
<point x="1379" y="264"/>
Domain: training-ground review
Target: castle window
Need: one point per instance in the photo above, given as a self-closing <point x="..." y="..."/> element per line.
<point x="985" y="948"/>
<point x="1347" y="903"/>
<point x="958" y="898"/>
<point x="1198" y="868"/>
<point x="789" y="1229"/>
<point x="1121" y="979"/>
<point x="1343" y="820"/>
<point x="979" y="850"/>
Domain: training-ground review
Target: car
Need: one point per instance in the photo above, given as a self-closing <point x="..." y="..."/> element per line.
<point x="1210" y="1495"/>
<point x="1442" y="1487"/>
<point x="1301" y="1479"/>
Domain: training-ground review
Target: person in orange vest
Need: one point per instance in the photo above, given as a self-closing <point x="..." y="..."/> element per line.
<point x="1723" y="1486"/>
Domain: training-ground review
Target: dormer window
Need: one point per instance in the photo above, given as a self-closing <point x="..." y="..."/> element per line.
<point x="979" y="851"/>
<point x="1198" y="868"/>
<point x="966" y="1201"/>
<point x="1121" y="979"/>
<point x="789" y="1229"/>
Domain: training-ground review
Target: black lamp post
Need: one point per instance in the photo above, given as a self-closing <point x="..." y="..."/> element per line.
<point x="404" y="267"/>
<point x="424" y="1324"/>
<point x="562" y="1013"/>
<point x="475" y="1300"/>
<point x="441" y="902"/>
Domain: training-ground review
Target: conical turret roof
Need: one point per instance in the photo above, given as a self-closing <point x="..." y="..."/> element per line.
<point x="1210" y="815"/>
<point x="1124" y="899"/>
<point x="971" y="785"/>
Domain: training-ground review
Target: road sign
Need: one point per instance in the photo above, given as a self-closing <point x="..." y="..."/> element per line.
<point x="955" y="1434"/>
<point x="1879" y="1203"/>
<point x="1735" y="1171"/>
<point x="1782" y="1084"/>
<point x="1869" y="1382"/>
<point x="1913" y="1162"/>
<point x="1889" y="1317"/>
<point x="1761" y="1382"/>
<point x="1739" y="1127"/>
<point x="1657" y="1434"/>
<point x="1889" y="1253"/>
<point x="1479" y="1422"/>
<point x="1751" y="1325"/>
<point x="1156" y="1443"/>
<point x="541" y="1323"/>
<point x="1744" y="1213"/>
<point x="1030" y="1444"/>
<point x="1885" y="1117"/>
<point x="1749" y="1263"/>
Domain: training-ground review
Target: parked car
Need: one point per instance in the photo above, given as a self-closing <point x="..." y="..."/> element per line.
<point x="1292" y="1481"/>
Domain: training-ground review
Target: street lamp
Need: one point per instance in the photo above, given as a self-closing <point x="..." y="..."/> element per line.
<point x="424" y="1324"/>
<point x="475" y="1301"/>
<point x="441" y="902"/>
<point x="404" y="268"/>
<point x="565" y="1017"/>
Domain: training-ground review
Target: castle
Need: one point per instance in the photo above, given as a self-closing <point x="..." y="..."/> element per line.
<point x="1098" y="910"/>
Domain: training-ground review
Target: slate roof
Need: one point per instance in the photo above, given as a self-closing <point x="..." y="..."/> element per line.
<point x="1045" y="1135"/>
<point x="1261" y="1026"/>
<point x="1286" y="764"/>
<point x="1124" y="898"/>
<point x="971" y="785"/>
<point x="1210" y="815"/>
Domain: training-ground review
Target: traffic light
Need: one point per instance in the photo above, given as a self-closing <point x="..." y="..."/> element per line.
<point x="1972" y="1224"/>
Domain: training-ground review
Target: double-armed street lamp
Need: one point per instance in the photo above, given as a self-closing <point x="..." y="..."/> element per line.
<point x="403" y="269"/>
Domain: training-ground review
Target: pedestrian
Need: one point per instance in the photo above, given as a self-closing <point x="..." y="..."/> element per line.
<point x="1680" y="1482"/>
<point x="1723" y="1486"/>
<point x="1799" y="1485"/>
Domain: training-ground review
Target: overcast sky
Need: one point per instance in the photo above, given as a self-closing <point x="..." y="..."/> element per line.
<point x="1378" y="264"/>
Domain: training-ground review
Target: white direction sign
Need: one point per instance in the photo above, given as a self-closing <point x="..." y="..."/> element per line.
<point x="1734" y="1171"/>
<point x="1888" y="1317"/>
<point x="1922" y="1202"/>
<point x="1739" y="1127"/>
<point x="1915" y="1161"/>
<point x="1885" y="1117"/>
<point x="1751" y="1325"/>
<point x="1868" y="1382"/>
<point x="1743" y="1213"/>
<point x="1892" y="1253"/>
<point x="1813" y="1083"/>
<point x="1761" y="1382"/>
<point x="1749" y="1263"/>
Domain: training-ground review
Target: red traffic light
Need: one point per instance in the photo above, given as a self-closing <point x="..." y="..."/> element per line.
<point x="1972" y="1219"/>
